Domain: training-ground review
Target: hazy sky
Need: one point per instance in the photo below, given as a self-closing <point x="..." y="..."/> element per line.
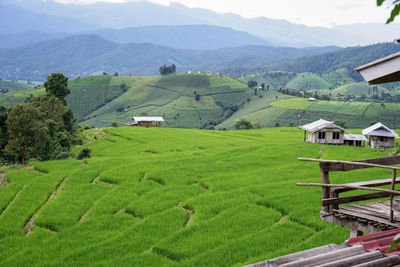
<point x="310" y="12"/>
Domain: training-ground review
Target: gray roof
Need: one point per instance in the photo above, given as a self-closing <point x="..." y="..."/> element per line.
<point x="319" y="125"/>
<point x="159" y="119"/>
<point x="355" y="137"/>
<point x="378" y="129"/>
<point x="332" y="255"/>
<point x="383" y="70"/>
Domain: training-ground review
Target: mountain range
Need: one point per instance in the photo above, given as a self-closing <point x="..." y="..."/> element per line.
<point x="79" y="55"/>
<point x="140" y="14"/>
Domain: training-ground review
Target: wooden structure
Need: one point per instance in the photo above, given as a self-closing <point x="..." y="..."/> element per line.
<point x="147" y="121"/>
<point x="383" y="70"/>
<point x="323" y="132"/>
<point x="380" y="136"/>
<point x="369" y="217"/>
<point x="355" y="140"/>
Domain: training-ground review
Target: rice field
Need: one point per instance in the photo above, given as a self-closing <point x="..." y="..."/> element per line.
<point x="172" y="197"/>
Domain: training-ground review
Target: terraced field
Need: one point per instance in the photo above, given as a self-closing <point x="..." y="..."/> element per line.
<point x="210" y="101"/>
<point x="174" y="197"/>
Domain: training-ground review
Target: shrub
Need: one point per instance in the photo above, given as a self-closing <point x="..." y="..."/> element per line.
<point x="243" y="124"/>
<point x="85" y="153"/>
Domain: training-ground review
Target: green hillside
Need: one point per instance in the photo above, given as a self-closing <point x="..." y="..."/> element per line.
<point x="14" y="85"/>
<point x="210" y="101"/>
<point x="173" y="197"/>
<point x="171" y="96"/>
<point x="308" y="81"/>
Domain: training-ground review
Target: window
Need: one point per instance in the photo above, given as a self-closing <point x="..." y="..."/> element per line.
<point x="335" y="135"/>
<point x="321" y="135"/>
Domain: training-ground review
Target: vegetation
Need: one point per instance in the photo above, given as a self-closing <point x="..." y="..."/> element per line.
<point x="164" y="70"/>
<point x="243" y="124"/>
<point x="192" y="209"/>
<point x="57" y="85"/>
<point x="42" y="128"/>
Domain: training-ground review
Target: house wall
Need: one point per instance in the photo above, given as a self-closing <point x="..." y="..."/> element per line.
<point x="377" y="141"/>
<point x="328" y="137"/>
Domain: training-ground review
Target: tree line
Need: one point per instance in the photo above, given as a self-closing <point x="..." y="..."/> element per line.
<point x="42" y="128"/>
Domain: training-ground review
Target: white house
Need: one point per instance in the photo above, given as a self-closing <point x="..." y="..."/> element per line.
<point x="323" y="132"/>
<point x="380" y="136"/>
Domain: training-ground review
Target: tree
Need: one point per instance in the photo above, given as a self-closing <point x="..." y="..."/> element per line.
<point x="395" y="10"/>
<point x="3" y="130"/>
<point x="164" y="69"/>
<point x="57" y="84"/>
<point x="340" y="123"/>
<point x="243" y="124"/>
<point x="252" y="83"/>
<point x="28" y="134"/>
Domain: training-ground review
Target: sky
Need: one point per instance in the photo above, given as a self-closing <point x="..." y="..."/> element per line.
<point x="325" y="13"/>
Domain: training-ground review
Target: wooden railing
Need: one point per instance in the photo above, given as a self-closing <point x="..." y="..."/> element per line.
<point x="330" y="192"/>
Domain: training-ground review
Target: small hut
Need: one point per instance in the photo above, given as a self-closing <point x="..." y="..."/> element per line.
<point x="147" y="121"/>
<point x="323" y="132"/>
<point x="380" y="136"/>
<point x="355" y="140"/>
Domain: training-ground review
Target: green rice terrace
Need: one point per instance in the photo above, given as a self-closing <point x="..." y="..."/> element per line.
<point x="173" y="197"/>
<point x="210" y="101"/>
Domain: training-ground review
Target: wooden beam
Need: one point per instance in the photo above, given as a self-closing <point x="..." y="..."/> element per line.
<point x="339" y="165"/>
<point x="391" y="195"/>
<point x="326" y="192"/>
<point x="348" y="199"/>
<point x="394" y="192"/>
<point x="370" y="183"/>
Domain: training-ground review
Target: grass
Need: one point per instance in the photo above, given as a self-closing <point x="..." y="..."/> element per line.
<point x="173" y="197"/>
<point x="308" y="81"/>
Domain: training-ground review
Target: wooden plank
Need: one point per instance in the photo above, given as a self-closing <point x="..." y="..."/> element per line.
<point x="348" y="199"/>
<point x="351" y="187"/>
<point x="377" y="209"/>
<point x="339" y="165"/>
<point x="367" y="211"/>
<point x="367" y="217"/>
<point x="371" y="183"/>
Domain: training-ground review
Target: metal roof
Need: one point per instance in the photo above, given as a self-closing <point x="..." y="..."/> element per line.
<point x="355" y="137"/>
<point x="319" y="125"/>
<point x="147" y="119"/>
<point x="383" y="70"/>
<point x="368" y="250"/>
<point x="378" y="129"/>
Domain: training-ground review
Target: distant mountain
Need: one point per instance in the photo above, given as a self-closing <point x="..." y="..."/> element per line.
<point x="15" y="19"/>
<point x="13" y="40"/>
<point x="348" y="58"/>
<point x="202" y="37"/>
<point x="277" y="32"/>
<point x="88" y="54"/>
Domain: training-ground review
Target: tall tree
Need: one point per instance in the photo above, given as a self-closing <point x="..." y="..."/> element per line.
<point x="28" y="134"/>
<point x="57" y="84"/>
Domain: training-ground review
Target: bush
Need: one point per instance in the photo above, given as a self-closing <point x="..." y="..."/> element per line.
<point x="85" y="153"/>
<point x="114" y="125"/>
<point x="243" y="124"/>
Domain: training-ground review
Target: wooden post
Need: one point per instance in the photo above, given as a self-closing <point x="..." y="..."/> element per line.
<point x="391" y="195"/>
<point x="305" y="136"/>
<point x="326" y="191"/>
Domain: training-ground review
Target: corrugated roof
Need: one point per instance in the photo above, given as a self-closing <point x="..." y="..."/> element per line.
<point x="355" y="137"/>
<point x="369" y="250"/>
<point x="147" y="119"/>
<point x="319" y="125"/>
<point x="378" y="61"/>
<point x="378" y="129"/>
